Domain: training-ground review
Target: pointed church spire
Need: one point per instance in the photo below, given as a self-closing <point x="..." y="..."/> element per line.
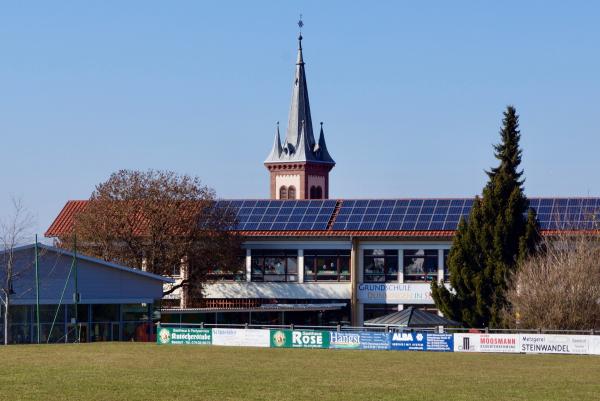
<point x="299" y="106"/>
<point x="321" y="147"/>
<point x="299" y="144"/>
<point x="277" y="150"/>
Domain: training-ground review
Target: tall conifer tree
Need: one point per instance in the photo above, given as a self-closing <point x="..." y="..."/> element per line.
<point x="499" y="232"/>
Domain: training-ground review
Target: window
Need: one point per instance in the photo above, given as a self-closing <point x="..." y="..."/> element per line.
<point x="283" y="192"/>
<point x="420" y="264"/>
<point x="234" y="273"/>
<point x="316" y="192"/>
<point x="327" y="265"/>
<point x="291" y="192"/>
<point x="274" y="265"/>
<point x="446" y="270"/>
<point x="380" y="266"/>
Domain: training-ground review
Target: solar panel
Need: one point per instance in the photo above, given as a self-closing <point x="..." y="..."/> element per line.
<point x="422" y="214"/>
<point x="397" y="214"/>
<point x="252" y="215"/>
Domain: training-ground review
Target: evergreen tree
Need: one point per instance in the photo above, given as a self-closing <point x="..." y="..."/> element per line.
<point x="491" y="242"/>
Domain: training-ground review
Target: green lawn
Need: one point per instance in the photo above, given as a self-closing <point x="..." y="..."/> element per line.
<point x="128" y="371"/>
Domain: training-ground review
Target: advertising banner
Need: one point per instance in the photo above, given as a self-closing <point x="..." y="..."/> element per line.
<point x="183" y="335"/>
<point x="359" y="340"/>
<point x="439" y="342"/>
<point x="241" y="337"/>
<point x="473" y="342"/>
<point x="299" y="339"/>
<point x="374" y="340"/>
<point x="553" y="344"/>
<point x="595" y="345"/>
<point x="344" y="339"/>
<point x="408" y="341"/>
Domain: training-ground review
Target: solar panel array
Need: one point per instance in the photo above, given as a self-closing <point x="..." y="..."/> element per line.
<point x="567" y="213"/>
<point x="398" y="214"/>
<point x="402" y="214"/>
<point x="444" y="214"/>
<point x="259" y="215"/>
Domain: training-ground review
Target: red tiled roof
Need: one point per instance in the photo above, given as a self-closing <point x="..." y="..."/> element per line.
<point x="63" y="223"/>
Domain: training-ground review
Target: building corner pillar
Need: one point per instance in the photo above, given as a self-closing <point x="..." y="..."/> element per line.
<point x="248" y="265"/>
<point x="354" y="305"/>
<point x="300" y="265"/>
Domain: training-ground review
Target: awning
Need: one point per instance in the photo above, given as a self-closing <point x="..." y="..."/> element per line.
<point x="262" y="308"/>
<point x="411" y="317"/>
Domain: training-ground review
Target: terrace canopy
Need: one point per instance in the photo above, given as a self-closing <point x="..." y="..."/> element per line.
<point x="411" y="318"/>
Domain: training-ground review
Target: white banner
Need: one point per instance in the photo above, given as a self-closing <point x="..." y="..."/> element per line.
<point x="486" y="342"/>
<point x="241" y="337"/>
<point x="595" y="345"/>
<point x="553" y="344"/>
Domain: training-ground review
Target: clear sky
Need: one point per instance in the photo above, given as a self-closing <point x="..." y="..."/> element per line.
<point x="411" y="93"/>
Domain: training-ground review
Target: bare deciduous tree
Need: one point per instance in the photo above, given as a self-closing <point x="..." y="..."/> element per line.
<point x="15" y="230"/>
<point x="558" y="288"/>
<point x="157" y="220"/>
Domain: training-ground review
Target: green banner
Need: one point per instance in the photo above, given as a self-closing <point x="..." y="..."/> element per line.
<point x="183" y="335"/>
<point x="299" y="339"/>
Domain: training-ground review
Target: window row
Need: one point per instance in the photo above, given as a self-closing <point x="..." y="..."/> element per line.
<point x="382" y="265"/>
<point x="379" y="266"/>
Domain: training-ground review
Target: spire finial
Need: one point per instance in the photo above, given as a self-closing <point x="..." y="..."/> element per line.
<point x="300" y="25"/>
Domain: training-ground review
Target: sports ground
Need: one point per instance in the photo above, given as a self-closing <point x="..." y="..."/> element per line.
<point x="137" y="371"/>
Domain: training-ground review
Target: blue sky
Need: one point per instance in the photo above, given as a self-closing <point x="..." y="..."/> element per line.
<point x="411" y="93"/>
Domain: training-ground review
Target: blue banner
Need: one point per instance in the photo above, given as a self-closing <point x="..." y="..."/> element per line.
<point x="439" y="342"/>
<point x="374" y="340"/>
<point x="359" y="340"/>
<point x="408" y="341"/>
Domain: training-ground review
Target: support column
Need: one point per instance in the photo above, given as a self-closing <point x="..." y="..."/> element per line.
<point x="149" y="325"/>
<point x="90" y="320"/>
<point x="440" y="278"/>
<point x="300" y="265"/>
<point x="440" y="275"/>
<point x="354" y="280"/>
<point x="248" y="265"/>
<point x="401" y="266"/>
<point x="121" y="322"/>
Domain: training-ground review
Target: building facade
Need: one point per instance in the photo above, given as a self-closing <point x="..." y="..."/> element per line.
<point x="308" y="259"/>
<point x="80" y="299"/>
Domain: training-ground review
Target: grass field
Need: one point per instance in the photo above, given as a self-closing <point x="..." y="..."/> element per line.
<point x="127" y="371"/>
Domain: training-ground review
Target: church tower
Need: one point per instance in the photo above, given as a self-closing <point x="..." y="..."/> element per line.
<point x="299" y="166"/>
